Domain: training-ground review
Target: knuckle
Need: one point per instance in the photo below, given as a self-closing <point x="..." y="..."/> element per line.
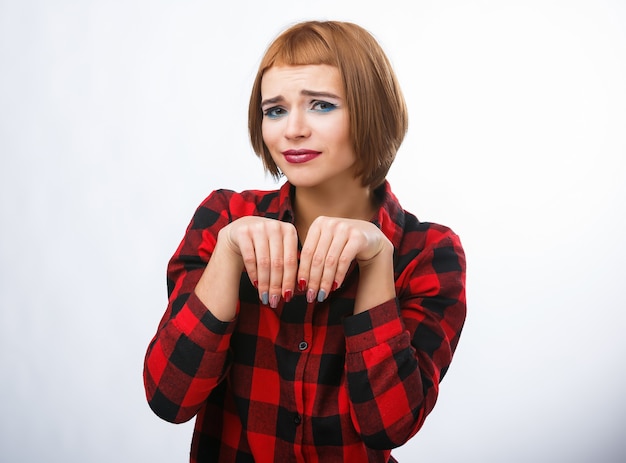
<point x="249" y="260"/>
<point x="354" y="233"/>
<point x="344" y="260"/>
<point x="306" y="252"/>
<point x="342" y="227"/>
<point x="263" y="262"/>
<point x="256" y="227"/>
<point x="291" y="261"/>
<point x="317" y="259"/>
<point x="278" y="263"/>
<point x="275" y="288"/>
<point x="272" y="225"/>
<point x="331" y="261"/>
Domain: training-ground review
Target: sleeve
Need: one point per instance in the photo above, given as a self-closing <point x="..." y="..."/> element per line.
<point x="189" y="354"/>
<point x="398" y="352"/>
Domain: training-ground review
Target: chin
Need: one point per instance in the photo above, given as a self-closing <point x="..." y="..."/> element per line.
<point x="302" y="181"/>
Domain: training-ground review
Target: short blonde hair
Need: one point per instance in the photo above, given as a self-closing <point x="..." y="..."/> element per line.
<point x="377" y="110"/>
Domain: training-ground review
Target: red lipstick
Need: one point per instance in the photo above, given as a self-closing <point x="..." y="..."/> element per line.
<point x="300" y="156"/>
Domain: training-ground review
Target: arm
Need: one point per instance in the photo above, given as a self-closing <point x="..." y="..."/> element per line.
<point x="398" y="351"/>
<point x="189" y="355"/>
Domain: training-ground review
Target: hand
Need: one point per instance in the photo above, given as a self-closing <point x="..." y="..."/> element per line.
<point x="330" y="247"/>
<point x="268" y="249"/>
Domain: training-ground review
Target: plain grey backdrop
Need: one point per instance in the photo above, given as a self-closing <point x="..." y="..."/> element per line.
<point x="118" y="117"/>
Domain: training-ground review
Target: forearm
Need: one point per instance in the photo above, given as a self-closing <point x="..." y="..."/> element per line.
<point x="376" y="281"/>
<point x="189" y="355"/>
<point x="218" y="287"/>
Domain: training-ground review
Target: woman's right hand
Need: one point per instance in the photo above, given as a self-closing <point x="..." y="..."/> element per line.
<point x="268" y="250"/>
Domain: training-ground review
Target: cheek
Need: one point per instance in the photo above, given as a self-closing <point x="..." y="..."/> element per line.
<point x="339" y="129"/>
<point x="268" y="133"/>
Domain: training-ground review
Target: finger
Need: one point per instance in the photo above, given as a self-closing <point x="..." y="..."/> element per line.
<point x="306" y="257"/>
<point x="262" y="260"/>
<point x="248" y="256"/>
<point x="353" y="243"/>
<point x="290" y="256"/>
<point x="319" y="257"/>
<point x="277" y="263"/>
<point x="339" y="252"/>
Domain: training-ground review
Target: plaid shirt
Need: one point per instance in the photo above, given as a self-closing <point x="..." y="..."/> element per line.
<point x="307" y="382"/>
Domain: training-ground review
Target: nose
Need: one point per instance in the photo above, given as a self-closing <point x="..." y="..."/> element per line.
<point x="297" y="126"/>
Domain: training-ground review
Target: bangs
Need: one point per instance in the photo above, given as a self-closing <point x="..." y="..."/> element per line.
<point x="301" y="46"/>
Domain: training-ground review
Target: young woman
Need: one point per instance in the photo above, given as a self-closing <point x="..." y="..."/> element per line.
<point x="315" y="322"/>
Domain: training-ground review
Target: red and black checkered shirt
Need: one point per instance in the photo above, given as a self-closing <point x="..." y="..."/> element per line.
<point x="307" y="382"/>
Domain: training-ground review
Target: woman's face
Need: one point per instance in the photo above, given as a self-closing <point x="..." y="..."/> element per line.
<point x="306" y="125"/>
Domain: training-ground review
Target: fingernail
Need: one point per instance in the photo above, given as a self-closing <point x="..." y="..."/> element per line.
<point x="256" y="283"/>
<point x="301" y="284"/>
<point x="265" y="298"/>
<point x="334" y="286"/>
<point x="321" y="295"/>
<point x="288" y="295"/>
<point x="274" y="301"/>
<point x="310" y="296"/>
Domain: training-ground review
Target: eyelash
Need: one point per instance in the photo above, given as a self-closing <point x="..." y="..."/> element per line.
<point x="330" y="106"/>
<point x="271" y="113"/>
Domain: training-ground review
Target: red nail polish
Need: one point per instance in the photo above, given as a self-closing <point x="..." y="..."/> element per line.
<point x="256" y="283"/>
<point x="334" y="286"/>
<point x="288" y="295"/>
<point x="301" y="284"/>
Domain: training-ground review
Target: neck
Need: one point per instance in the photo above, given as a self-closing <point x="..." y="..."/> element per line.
<point x="350" y="203"/>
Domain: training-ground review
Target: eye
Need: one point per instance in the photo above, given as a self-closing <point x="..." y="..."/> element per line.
<point x="322" y="106"/>
<point x="274" y="112"/>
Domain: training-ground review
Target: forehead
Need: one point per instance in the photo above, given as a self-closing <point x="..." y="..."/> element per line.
<point x="278" y="80"/>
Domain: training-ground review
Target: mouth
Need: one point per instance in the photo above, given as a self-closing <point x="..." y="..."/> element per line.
<point x="300" y="156"/>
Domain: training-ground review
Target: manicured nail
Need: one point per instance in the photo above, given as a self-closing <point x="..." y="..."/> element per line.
<point x="334" y="286"/>
<point x="310" y="296"/>
<point x="288" y="295"/>
<point x="274" y="301"/>
<point x="321" y="295"/>
<point x="301" y="284"/>
<point x="265" y="298"/>
<point x="256" y="283"/>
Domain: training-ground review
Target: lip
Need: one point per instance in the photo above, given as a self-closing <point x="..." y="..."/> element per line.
<point x="300" y="156"/>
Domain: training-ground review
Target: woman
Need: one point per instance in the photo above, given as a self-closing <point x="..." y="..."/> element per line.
<point x="314" y="322"/>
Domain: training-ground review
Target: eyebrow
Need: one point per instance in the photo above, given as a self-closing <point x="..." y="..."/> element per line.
<point x="279" y="98"/>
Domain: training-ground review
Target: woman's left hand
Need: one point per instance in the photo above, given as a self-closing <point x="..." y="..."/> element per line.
<point x="331" y="245"/>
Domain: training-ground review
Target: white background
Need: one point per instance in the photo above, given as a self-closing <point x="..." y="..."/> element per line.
<point x="118" y="117"/>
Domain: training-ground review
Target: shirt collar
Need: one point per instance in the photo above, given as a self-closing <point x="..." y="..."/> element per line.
<point x="285" y="209"/>
<point x="391" y="216"/>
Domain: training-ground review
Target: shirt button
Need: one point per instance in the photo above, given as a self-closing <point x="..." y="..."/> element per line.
<point x="303" y="345"/>
<point x="297" y="420"/>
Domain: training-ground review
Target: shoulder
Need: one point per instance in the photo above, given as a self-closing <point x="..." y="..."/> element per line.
<point x="229" y="205"/>
<point x="428" y="233"/>
<point x="404" y="228"/>
<point x="423" y="239"/>
<point x="417" y="241"/>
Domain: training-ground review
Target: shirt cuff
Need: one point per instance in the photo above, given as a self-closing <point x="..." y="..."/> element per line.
<point x="197" y="322"/>
<point x="373" y="327"/>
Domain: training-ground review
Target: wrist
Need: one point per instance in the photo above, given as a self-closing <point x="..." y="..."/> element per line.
<point x="376" y="281"/>
<point x="383" y="257"/>
<point x="218" y="287"/>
